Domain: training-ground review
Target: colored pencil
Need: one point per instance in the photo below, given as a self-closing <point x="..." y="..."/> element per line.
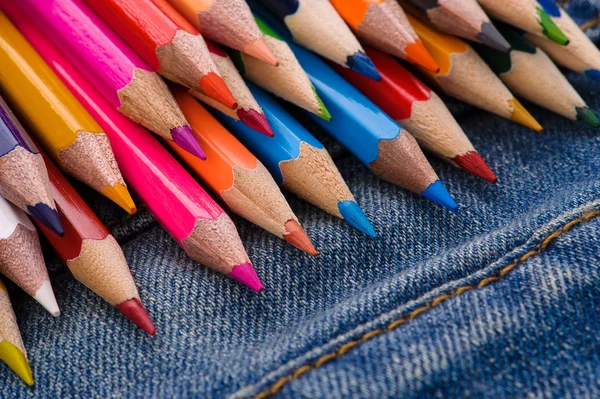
<point x="23" y="176"/>
<point x="175" y="51"/>
<point x="316" y="25"/>
<point x="376" y="140"/>
<point x="533" y="16"/>
<point x="414" y="106"/>
<point x="238" y="178"/>
<point x="299" y="163"/>
<point x="580" y="55"/>
<point x="179" y="204"/>
<point x="91" y="253"/>
<point x="57" y="120"/>
<point x="12" y="350"/>
<point x="463" y="18"/>
<point x="465" y="76"/>
<point x="248" y="110"/>
<point x="287" y="81"/>
<point x="21" y="258"/>
<point x="530" y="73"/>
<point x="228" y="22"/>
<point x="131" y="85"/>
<point x="383" y="25"/>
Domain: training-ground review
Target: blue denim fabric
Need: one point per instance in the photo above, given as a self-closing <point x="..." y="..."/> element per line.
<point x="477" y="311"/>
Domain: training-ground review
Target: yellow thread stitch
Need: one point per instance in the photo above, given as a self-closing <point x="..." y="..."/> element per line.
<point x="279" y="384"/>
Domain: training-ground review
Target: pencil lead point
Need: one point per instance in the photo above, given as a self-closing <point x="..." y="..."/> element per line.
<point x="361" y="63"/>
<point x="298" y="237"/>
<point x="356" y="218"/>
<point x="587" y="116"/>
<point x="120" y="195"/>
<point x="183" y="137"/>
<point x="45" y="297"/>
<point x="256" y="121"/>
<point x="260" y="50"/>
<point x="474" y="164"/>
<point x="490" y="36"/>
<point x="246" y="275"/>
<point x="135" y="311"/>
<point x="323" y="112"/>
<point x="522" y="116"/>
<point x="416" y="53"/>
<point x="17" y="361"/>
<point x="550" y="30"/>
<point x="437" y="193"/>
<point x="48" y="217"/>
<point x="215" y="87"/>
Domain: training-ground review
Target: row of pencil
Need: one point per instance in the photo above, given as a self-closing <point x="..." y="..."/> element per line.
<point x="80" y="85"/>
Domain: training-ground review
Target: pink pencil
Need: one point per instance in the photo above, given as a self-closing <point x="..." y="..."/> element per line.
<point x="175" y="199"/>
<point x="124" y="79"/>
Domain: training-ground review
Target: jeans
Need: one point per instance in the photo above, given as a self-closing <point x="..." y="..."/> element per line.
<point x="498" y="300"/>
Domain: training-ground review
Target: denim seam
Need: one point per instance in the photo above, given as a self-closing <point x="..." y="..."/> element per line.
<point x="342" y="350"/>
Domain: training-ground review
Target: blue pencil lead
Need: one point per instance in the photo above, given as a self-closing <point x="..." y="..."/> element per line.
<point x="362" y="64"/>
<point x="355" y="217"/>
<point x="438" y="194"/>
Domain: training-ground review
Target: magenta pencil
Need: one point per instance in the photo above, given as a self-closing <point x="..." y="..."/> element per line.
<point x="175" y="199"/>
<point x="123" y="78"/>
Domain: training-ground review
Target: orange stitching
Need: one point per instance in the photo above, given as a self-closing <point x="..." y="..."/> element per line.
<point x="279" y="384"/>
<point x="590" y="24"/>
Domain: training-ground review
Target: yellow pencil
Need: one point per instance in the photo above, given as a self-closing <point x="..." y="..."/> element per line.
<point x="12" y="350"/>
<point x="56" y="119"/>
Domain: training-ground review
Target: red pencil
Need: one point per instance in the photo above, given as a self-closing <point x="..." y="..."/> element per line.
<point x="418" y="109"/>
<point x="91" y="252"/>
<point x="175" y="50"/>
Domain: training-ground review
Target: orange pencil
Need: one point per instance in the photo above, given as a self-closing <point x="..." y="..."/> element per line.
<point x="383" y="25"/>
<point x="241" y="181"/>
<point x="175" y="50"/>
<point x="229" y="22"/>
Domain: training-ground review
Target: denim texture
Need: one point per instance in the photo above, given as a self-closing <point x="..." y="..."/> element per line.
<point x="477" y="311"/>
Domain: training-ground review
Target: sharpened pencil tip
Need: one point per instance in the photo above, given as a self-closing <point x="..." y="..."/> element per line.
<point x="323" y="112"/>
<point x="260" y="50"/>
<point x="45" y="297"/>
<point x="215" y="87"/>
<point x="120" y="196"/>
<point x="298" y="237"/>
<point x="256" y="121"/>
<point x="246" y="275"/>
<point x="362" y="64"/>
<point x="587" y="116"/>
<point x="134" y="311"/>
<point x="437" y="193"/>
<point x="490" y="36"/>
<point x="550" y="30"/>
<point x="356" y="218"/>
<point x="593" y="73"/>
<point x="418" y="54"/>
<point x="48" y="217"/>
<point x="474" y="164"/>
<point x="183" y="137"/>
<point x="17" y="361"/>
<point x="522" y="116"/>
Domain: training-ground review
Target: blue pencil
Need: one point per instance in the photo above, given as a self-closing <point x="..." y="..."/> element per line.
<point x="373" y="137"/>
<point x="316" y="25"/>
<point x="23" y="175"/>
<point x="298" y="161"/>
<point x="580" y="54"/>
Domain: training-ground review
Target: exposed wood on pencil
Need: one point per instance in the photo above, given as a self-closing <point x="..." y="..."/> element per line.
<point x="91" y="252"/>
<point x="12" y="350"/>
<point x="228" y="22"/>
<point x="23" y="175"/>
<point x="383" y="25"/>
<point x="21" y="258"/>
<point x="248" y="110"/>
<point x="465" y="76"/>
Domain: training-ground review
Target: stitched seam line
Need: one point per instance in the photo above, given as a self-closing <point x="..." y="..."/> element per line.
<point x="342" y="350"/>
